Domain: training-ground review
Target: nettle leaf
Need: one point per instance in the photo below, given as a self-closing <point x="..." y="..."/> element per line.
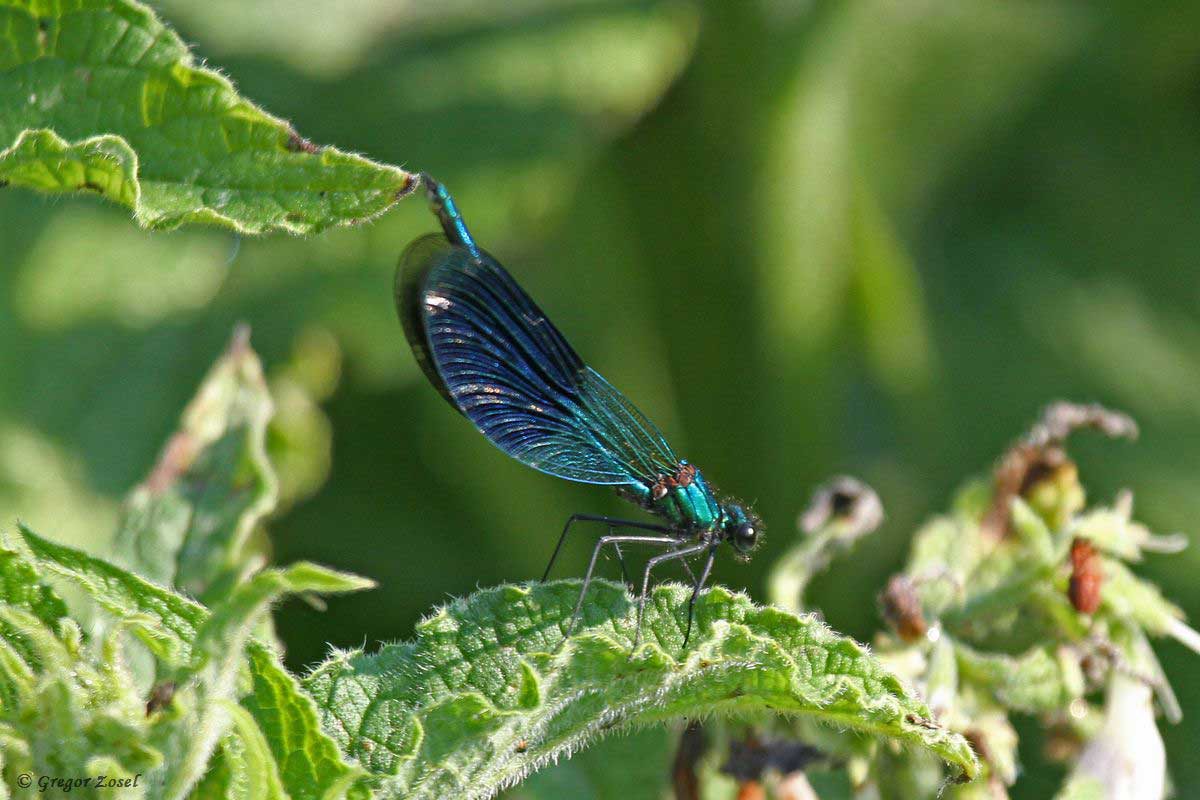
<point x="1040" y="680"/>
<point x="99" y="96"/>
<point x="188" y="524"/>
<point x="485" y="694"/>
<point x="309" y="761"/>
<point x="72" y="708"/>
<point x="244" y="768"/>
<point x="217" y="657"/>
<point x="22" y="586"/>
<point x="176" y="618"/>
<point x="184" y="635"/>
<point x="41" y="159"/>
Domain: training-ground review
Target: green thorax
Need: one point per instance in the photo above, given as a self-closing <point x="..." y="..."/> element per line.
<point x="684" y="500"/>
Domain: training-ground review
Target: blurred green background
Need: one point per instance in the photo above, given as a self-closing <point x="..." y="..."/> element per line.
<point x="867" y="237"/>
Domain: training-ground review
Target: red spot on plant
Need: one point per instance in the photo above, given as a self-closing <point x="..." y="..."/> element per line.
<point x="902" y="608"/>
<point x="298" y="144"/>
<point x="1087" y="577"/>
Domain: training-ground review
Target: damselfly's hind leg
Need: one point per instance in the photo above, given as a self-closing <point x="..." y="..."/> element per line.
<point x="681" y="553"/>
<point x="660" y="541"/>
<point x="703" y="579"/>
<point x="613" y="524"/>
<point x="621" y="561"/>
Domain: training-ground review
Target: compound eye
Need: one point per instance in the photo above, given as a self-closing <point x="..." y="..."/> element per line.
<point x="745" y="536"/>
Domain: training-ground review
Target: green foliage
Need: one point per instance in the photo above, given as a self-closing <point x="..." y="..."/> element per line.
<point x="75" y="712"/>
<point x="190" y="697"/>
<point x="189" y="524"/>
<point x="488" y="691"/>
<point x="899" y="260"/>
<point x="191" y="517"/>
<point x="1018" y="603"/>
<point x="100" y="96"/>
<point x="202" y="654"/>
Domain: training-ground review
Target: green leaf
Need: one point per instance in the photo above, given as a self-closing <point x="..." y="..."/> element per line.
<point x="310" y="763"/>
<point x="100" y="96"/>
<point x="1111" y="530"/>
<point x="175" y="621"/>
<point x="244" y="768"/>
<point x="1129" y="597"/>
<point x="485" y="694"/>
<point x="41" y="159"/>
<point x="1033" y="532"/>
<point x="124" y="594"/>
<point x="188" y="524"/>
<point x="945" y="550"/>
<point x="76" y="708"/>
<point x="217" y="657"/>
<point x="230" y="624"/>
<point x="1036" y="681"/>
<point x="21" y="586"/>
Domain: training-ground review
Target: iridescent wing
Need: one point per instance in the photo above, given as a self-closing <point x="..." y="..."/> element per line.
<point x="491" y="352"/>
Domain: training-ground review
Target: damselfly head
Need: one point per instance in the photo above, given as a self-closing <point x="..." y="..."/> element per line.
<point x="741" y="527"/>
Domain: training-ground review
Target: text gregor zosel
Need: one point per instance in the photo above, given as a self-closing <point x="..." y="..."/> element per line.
<point x="65" y="785"/>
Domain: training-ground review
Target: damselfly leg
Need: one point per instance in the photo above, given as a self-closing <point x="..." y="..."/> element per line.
<point x="681" y="554"/>
<point x="614" y="524"/>
<point x="660" y="541"/>
<point x="703" y="579"/>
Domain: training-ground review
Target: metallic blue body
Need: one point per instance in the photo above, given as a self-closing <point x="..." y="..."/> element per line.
<point x="492" y="353"/>
<point x="693" y="506"/>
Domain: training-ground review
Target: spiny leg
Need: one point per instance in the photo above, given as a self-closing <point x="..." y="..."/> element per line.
<point x="683" y="552"/>
<point x="621" y="561"/>
<point x="703" y="579"/>
<point x="625" y="574"/>
<point x="688" y="569"/>
<point x="664" y="541"/>
<point x="612" y="522"/>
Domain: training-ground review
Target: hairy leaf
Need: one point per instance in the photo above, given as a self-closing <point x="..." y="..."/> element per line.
<point x="1037" y="681"/>
<point x="99" y="96"/>
<point x="41" y="159"/>
<point x="243" y="769"/>
<point x="123" y="594"/>
<point x="21" y="586"/>
<point x="75" y="711"/>
<point x="218" y="655"/>
<point x="485" y="694"/>
<point x="187" y="525"/>
<point x="309" y="762"/>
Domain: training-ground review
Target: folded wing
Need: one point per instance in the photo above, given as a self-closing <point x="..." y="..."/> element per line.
<point x="491" y="352"/>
